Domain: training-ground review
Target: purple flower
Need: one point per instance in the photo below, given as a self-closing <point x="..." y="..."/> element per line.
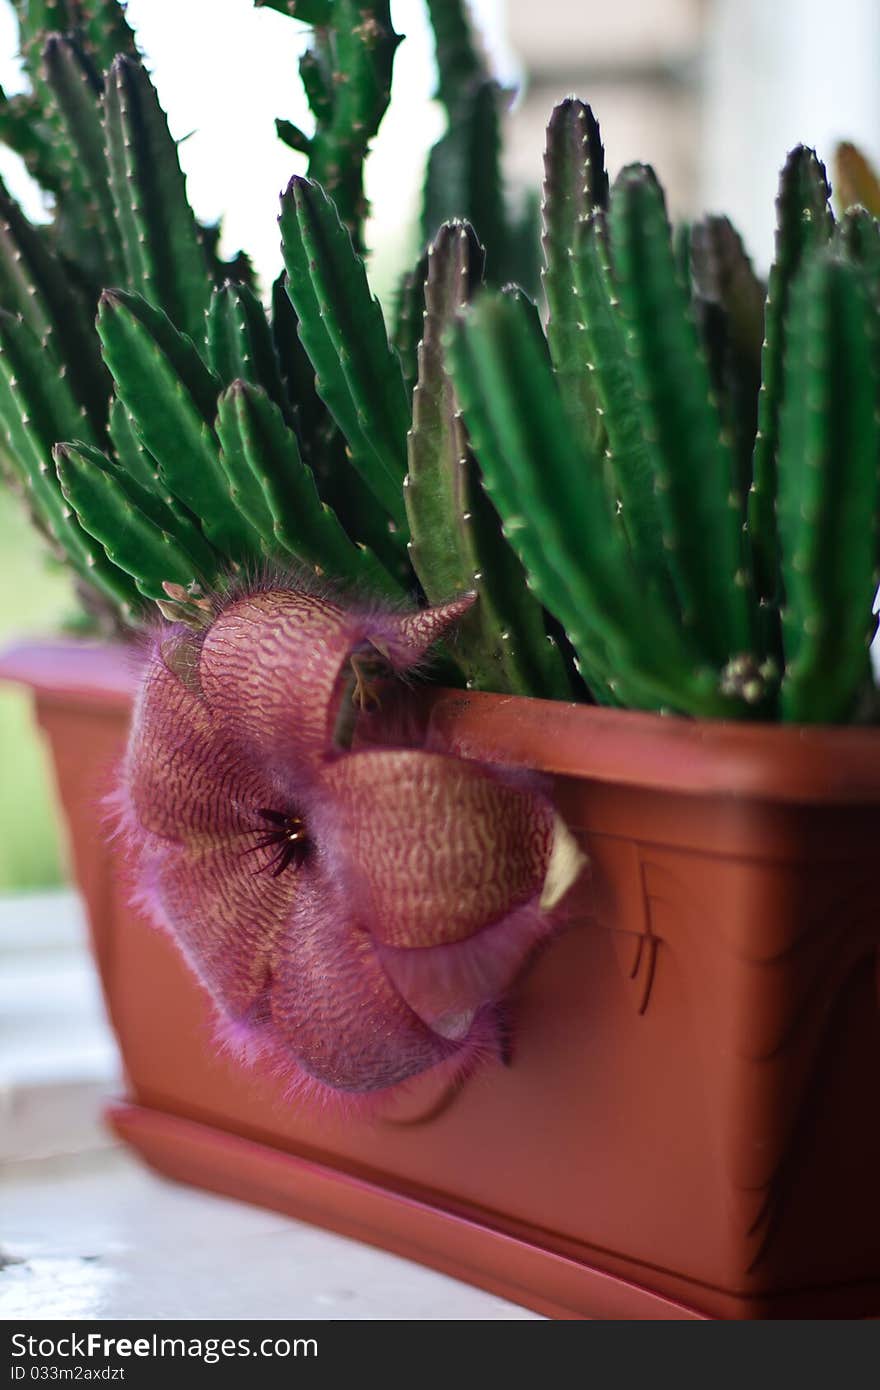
<point x="356" y="910"/>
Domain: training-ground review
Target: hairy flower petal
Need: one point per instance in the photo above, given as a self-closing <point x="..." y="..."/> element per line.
<point x="335" y="1008"/>
<point x="185" y="781"/>
<point x="279" y="665"/>
<point x="443" y="846"/>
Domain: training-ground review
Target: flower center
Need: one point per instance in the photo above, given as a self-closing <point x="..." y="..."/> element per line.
<point x="285" y="832"/>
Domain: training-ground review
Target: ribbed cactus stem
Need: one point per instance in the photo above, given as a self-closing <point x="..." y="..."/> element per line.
<point x="457" y="545"/>
<point x="162" y="244"/>
<point x="804" y="222"/>
<point x="575" y="183"/>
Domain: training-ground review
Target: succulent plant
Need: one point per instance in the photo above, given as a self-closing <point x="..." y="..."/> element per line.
<point x="664" y="491"/>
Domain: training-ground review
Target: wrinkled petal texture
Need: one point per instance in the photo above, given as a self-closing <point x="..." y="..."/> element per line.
<point x="443" y="847"/>
<point x="274" y="664"/>
<point x="356" y="915"/>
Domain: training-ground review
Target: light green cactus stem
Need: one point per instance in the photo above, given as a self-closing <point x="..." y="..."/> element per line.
<point x="275" y="489"/>
<point x="804" y="222"/>
<point x="829" y="489"/>
<point x="100" y="25"/>
<point x="576" y="558"/>
<point x="137" y="535"/>
<point x="171" y="396"/>
<point x="700" y="511"/>
<point x="36" y="286"/>
<point x="729" y="303"/>
<point x="457" y="545"/>
<point x="77" y="89"/>
<point x="240" y="344"/>
<point x="409" y="320"/>
<point x="341" y="326"/>
<point x="346" y="74"/>
<point x="162" y="245"/>
<point x="575" y="183"/>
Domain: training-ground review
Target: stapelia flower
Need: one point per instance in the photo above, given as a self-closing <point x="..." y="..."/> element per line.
<point x="356" y="911"/>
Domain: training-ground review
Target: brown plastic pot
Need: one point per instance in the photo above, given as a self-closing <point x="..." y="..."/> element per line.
<point x="690" y="1127"/>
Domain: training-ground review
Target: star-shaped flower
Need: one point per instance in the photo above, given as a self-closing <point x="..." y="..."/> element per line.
<point x="356" y="910"/>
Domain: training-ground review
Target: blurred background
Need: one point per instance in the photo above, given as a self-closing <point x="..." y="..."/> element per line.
<point x="711" y="92"/>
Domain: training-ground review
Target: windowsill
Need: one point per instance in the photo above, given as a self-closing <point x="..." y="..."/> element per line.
<point x="88" y="1232"/>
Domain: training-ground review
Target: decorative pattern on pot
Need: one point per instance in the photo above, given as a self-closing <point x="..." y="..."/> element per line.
<point x="356" y="904"/>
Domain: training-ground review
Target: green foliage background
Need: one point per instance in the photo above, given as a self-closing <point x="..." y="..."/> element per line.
<point x="30" y="841"/>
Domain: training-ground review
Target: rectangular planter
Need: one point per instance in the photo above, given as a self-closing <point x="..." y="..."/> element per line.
<point x="690" y="1126"/>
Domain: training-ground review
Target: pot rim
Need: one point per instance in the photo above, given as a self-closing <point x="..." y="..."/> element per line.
<point x="818" y="764"/>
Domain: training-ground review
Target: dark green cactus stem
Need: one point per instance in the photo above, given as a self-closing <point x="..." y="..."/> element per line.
<point x="729" y="301"/>
<point x="700" y="512"/>
<point x="36" y="408"/>
<point x="77" y="89"/>
<point x="577" y="561"/>
<point x="630" y="467"/>
<point x="804" y="222"/>
<point x="297" y="372"/>
<point x="106" y="505"/>
<point x="323" y="447"/>
<point x="829" y="489"/>
<point x="457" y="545"/>
<point x="171" y="396"/>
<point x="575" y="183"/>
<point x="277" y="492"/>
<point x="464" y="176"/>
<point x="162" y="244"/>
<point x="357" y="373"/>
<point x="36" y="286"/>
<point x="293" y="137"/>
<point x="857" y="236"/>
<point x="309" y="11"/>
<point x="460" y="65"/>
<point x="24" y="129"/>
<point x="138" y="463"/>
<point x="240" y="344"/>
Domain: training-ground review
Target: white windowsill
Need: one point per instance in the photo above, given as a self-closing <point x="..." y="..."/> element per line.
<point x="87" y="1232"/>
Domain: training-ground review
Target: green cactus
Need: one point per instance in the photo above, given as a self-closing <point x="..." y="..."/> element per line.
<point x="136" y="534"/>
<point x="729" y="307"/>
<point x="669" y="473"/>
<point x="346" y="74"/>
<point x="829" y="489"/>
<point x="457" y="543"/>
<point x="463" y="178"/>
<point x="277" y="492"/>
<point x="163" y="251"/>
<point x="240" y="343"/>
<point x="804" y="222"/>
<point x="357" y="373"/>
<point x="575" y="184"/>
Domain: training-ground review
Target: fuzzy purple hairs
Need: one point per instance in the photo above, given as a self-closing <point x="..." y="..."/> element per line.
<point x="357" y="909"/>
